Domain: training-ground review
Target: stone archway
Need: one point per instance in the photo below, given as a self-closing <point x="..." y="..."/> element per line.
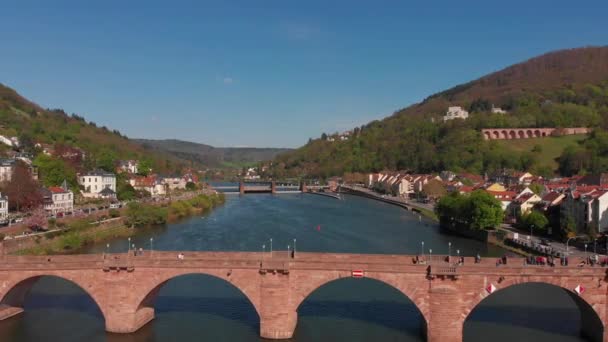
<point x="512" y="134"/>
<point x="592" y="316"/>
<point x="242" y="280"/>
<point x="537" y="133"/>
<point x="410" y="286"/>
<point x="14" y="293"/>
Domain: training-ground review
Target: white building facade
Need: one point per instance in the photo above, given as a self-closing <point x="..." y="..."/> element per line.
<point x="455" y="112"/>
<point x="95" y="182"/>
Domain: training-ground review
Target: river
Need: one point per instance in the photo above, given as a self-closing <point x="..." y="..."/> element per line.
<point x="203" y="308"/>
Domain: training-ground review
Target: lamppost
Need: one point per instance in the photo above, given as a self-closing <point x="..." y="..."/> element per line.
<point x="271" y="247"/>
<point x="294" y="247"/>
<point x="422" y="248"/>
<point x="288" y="254"/>
<point x="151" y="245"/>
<point x="531" y="226"/>
<point x="595" y="246"/>
<point x="129" y="245"/>
<point x="449" y="251"/>
<point x="263" y="249"/>
<point x="567" y="241"/>
<point x="458" y="253"/>
<point x="585" y="251"/>
<point x="430" y="256"/>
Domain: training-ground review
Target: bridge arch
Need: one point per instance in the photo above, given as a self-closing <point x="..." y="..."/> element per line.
<point x="592" y="316"/>
<point x="242" y="280"/>
<point x="13" y="293"/>
<point x="409" y="285"/>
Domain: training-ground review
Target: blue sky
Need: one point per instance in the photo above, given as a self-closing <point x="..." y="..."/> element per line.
<point x="268" y="73"/>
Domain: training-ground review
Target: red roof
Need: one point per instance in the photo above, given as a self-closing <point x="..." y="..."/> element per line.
<point x="57" y="190"/>
<point x="502" y="195"/>
<point x="551" y="197"/>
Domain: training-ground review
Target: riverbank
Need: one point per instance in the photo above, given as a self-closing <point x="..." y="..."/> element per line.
<point x="130" y="221"/>
<point x="426" y="212"/>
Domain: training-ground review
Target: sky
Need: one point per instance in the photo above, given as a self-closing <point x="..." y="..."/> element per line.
<point x="268" y="73"/>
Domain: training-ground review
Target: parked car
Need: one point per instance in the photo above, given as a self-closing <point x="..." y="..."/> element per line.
<point x="545" y="242"/>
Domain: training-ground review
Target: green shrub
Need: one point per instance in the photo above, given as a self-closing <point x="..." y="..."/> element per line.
<point x="114" y="213"/>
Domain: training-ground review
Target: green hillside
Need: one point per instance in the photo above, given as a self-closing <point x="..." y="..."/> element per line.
<point x="567" y="88"/>
<point x="547" y="150"/>
<point x="33" y="124"/>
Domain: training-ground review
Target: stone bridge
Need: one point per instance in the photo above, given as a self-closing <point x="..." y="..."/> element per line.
<point x="125" y="286"/>
<point x="525" y="133"/>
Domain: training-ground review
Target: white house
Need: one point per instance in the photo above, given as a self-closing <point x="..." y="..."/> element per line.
<point x="455" y="112"/>
<point x="129" y="166"/>
<point x="10" y="141"/>
<point x="498" y="110"/>
<point x="175" y="182"/>
<point x="589" y="208"/>
<point x="58" y="199"/>
<point x="98" y="184"/>
<point x="7" y="166"/>
<point x="3" y="208"/>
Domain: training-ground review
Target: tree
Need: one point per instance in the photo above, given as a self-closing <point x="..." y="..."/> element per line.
<point x="52" y="171"/>
<point x="536" y="188"/>
<point x="483" y="210"/>
<point x="567" y="226"/>
<point x="190" y="186"/>
<point x="535" y="220"/>
<point x="434" y="189"/>
<point x="145" y="167"/>
<point x="23" y="191"/>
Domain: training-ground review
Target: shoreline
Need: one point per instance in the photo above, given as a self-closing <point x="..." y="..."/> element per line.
<point x="431" y="215"/>
<point x="85" y="233"/>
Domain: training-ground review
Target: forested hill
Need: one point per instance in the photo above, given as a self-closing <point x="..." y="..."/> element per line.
<point x="560" y="89"/>
<point x="33" y="124"/>
<point x="214" y="157"/>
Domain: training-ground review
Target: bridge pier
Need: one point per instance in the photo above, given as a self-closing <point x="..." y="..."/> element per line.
<point x="303" y="187"/>
<point x="128" y="322"/>
<point x="273" y="187"/>
<point x="241" y="188"/>
<point x="277" y="320"/>
<point x="446" y="320"/>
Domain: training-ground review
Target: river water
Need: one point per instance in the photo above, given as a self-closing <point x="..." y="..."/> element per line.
<point x="203" y="308"/>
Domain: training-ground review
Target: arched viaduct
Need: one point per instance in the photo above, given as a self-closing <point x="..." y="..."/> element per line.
<point x="525" y="133"/>
<point x="125" y="286"/>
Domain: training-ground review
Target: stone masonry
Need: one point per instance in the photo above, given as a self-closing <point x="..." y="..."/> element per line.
<point x="125" y="286"/>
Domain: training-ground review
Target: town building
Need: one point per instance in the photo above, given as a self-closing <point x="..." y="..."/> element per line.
<point x="455" y="112"/>
<point x="3" y="208"/>
<point x="7" y="166"/>
<point x="588" y="207"/>
<point x="58" y="199"/>
<point x="98" y="184"/>
<point x="498" y="110"/>
<point x="128" y="166"/>
<point x="151" y="184"/>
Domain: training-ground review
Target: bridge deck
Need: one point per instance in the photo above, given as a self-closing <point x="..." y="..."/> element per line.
<point x="302" y="261"/>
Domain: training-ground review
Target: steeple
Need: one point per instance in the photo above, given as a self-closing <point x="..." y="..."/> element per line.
<point x="64" y="185"/>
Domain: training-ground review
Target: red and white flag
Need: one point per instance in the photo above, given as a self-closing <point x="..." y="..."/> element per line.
<point x="579" y="289"/>
<point x="357" y="273"/>
<point x="490" y="288"/>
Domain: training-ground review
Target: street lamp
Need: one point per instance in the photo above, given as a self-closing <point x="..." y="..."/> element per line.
<point x="585" y="251"/>
<point x="294" y="247"/>
<point x="270" y="246"/>
<point x="129" y="244"/>
<point x="567" y="241"/>
<point x="531" y="226"/>
<point x="422" y="248"/>
<point x="263" y="249"/>
<point x="151" y="245"/>
<point x="430" y="255"/>
<point x="449" y="250"/>
<point x="288" y="251"/>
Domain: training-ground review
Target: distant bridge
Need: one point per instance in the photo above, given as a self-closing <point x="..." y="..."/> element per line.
<point x="271" y="187"/>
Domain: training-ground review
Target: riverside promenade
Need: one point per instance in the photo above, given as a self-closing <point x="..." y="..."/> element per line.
<point x="409" y="205"/>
